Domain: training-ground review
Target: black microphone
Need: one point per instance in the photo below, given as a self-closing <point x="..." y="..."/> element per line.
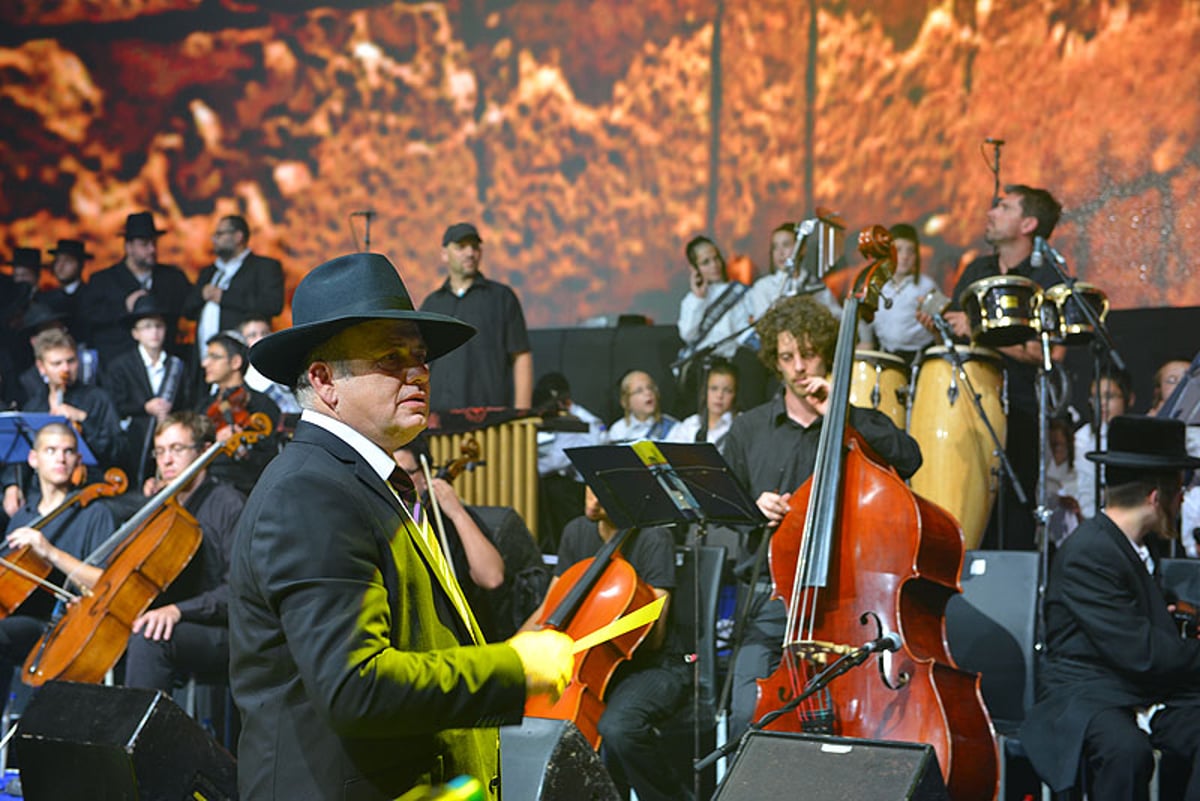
<point x="888" y="642"/>
<point x="368" y="213"/>
<point x="991" y="141"/>
<point x="1041" y="249"/>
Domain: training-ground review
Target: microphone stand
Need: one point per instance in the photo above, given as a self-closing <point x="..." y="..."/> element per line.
<point x="1102" y="344"/>
<point x="814" y="685"/>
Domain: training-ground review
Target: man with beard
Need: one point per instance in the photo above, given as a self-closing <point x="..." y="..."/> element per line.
<point x="496" y="367"/>
<point x="113" y="291"/>
<point x="1116" y="665"/>
<point x="67" y="267"/>
<point x="237" y="285"/>
<point x="772" y="450"/>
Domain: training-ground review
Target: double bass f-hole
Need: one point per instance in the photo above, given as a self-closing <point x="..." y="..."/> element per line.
<point x="885" y="657"/>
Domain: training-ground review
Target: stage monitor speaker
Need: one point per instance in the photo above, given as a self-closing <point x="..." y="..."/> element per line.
<point x="96" y="742"/>
<point x="550" y="760"/>
<point x="779" y="765"/>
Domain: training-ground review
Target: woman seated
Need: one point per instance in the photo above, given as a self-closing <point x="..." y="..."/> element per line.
<point x="711" y="423"/>
<point x="643" y="418"/>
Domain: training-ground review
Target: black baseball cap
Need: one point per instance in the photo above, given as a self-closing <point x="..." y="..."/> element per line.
<point x="460" y="231"/>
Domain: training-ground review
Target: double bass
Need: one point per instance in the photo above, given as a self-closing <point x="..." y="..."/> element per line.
<point x="860" y="557"/>
<point x="141" y="559"/>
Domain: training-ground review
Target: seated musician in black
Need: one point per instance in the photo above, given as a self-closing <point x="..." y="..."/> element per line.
<point x="186" y="632"/>
<point x="228" y="403"/>
<point x="772" y="449"/>
<point x="62" y="543"/>
<point x="651" y="685"/>
<point x="1119" y="681"/>
<point x="477" y="563"/>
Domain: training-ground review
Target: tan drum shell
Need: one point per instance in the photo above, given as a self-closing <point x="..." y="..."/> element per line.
<point x="880" y="381"/>
<point x="959" y="461"/>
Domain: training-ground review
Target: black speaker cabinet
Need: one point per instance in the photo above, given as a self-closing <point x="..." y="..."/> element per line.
<point x="775" y="765"/>
<point x="96" y="742"/>
<point x="550" y="760"/>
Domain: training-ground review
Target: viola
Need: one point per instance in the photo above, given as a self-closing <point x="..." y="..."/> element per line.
<point x="230" y="408"/>
<point x="592" y="593"/>
<point x="141" y="558"/>
<point x="857" y="557"/>
<point x="23" y="571"/>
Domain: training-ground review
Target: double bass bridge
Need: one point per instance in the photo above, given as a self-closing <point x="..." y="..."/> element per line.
<point x="819" y="652"/>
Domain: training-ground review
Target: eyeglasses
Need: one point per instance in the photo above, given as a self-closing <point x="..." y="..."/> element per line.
<point x="175" y="450"/>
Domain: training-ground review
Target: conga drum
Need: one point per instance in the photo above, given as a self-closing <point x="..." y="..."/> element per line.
<point x="880" y="382"/>
<point x="960" y="460"/>
<point x="1002" y="310"/>
<point x="1061" y="310"/>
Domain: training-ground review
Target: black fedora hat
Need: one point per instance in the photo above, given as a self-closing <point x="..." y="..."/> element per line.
<point x="29" y="258"/>
<point x="38" y="314"/>
<point x="72" y="247"/>
<point x="145" y="306"/>
<point x="1146" y="444"/>
<point x="141" y="226"/>
<point x="340" y="293"/>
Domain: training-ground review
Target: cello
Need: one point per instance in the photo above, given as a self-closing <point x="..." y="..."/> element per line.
<point x="593" y="593"/>
<point x="23" y="571"/>
<point x="143" y="557"/>
<point x="857" y="557"/>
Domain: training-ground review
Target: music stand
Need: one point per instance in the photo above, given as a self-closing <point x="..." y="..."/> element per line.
<point x="17" y="432"/>
<point x="664" y="483"/>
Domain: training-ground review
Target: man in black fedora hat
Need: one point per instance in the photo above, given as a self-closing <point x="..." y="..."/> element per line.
<point x="113" y="291"/>
<point x="357" y="665"/>
<point x="70" y="256"/>
<point x="26" y="266"/>
<point x="495" y="368"/>
<point x="1115" y="657"/>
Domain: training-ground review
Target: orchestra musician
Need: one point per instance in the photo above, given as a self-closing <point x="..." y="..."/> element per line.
<point x="229" y="405"/>
<point x="355" y="662"/>
<point x="648" y="687"/>
<point x="772" y="448"/>
<point x="186" y="631"/>
<point x="63" y="543"/>
<point x="1116" y="664"/>
<point x="1022" y="214"/>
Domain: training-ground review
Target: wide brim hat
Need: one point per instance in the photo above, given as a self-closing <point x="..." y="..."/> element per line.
<point x="145" y="306"/>
<point x="38" y="314"/>
<point x="1149" y="444"/>
<point x="343" y="292"/>
<point x="30" y="258"/>
<point x="141" y="226"/>
<point x="71" y="247"/>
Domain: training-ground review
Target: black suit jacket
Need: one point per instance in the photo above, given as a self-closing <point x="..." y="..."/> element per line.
<point x="1110" y="642"/>
<point x="104" y="306"/>
<point x="126" y="381"/>
<point x="347" y="657"/>
<point x="255" y="291"/>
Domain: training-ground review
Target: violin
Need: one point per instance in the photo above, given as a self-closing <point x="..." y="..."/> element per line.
<point x="142" y="558"/>
<point x="230" y="408"/>
<point x="1187" y="617"/>
<point x="23" y="571"/>
<point x="468" y="459"/>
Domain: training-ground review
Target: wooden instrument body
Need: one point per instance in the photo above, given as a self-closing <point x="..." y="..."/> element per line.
<point x="617" y="592"/>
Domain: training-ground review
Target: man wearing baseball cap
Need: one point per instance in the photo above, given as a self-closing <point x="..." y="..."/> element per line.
<point x="357" y="665"/>
<point x="496" y="367"/>
<point x="1115" y="657"/>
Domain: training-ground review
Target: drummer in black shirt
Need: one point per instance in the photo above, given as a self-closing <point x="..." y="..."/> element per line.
<point x="1022" y="214"/>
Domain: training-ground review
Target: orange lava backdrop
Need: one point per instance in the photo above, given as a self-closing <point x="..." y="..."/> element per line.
<point x="590" y="139"/>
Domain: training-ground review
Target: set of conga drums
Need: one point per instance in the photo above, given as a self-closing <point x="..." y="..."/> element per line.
<point x="961" y="466"/>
